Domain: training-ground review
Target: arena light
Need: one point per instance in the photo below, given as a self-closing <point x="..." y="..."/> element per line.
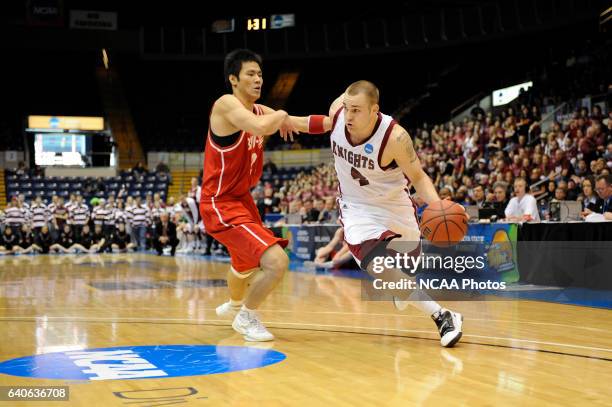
<point x="506" y="95"/>
<point x="66" y="122"/>
<point x="105" y="58"/>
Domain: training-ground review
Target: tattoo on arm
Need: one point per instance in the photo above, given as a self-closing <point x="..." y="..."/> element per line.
<point x="404" y="138"/>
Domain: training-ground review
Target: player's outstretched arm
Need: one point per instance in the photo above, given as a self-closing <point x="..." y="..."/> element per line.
<point x="230" y="108"/>
<point x="402" y="151"/>
<point x="313" y="124"/>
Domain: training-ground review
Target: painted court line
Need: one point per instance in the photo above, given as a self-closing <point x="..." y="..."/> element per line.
<point x="217" y="322"/>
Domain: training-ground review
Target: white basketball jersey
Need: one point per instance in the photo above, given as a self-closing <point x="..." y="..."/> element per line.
<point x="362" y="178"/>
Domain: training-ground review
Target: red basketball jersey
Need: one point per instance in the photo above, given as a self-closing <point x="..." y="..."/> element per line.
<point x="230" y="172"/>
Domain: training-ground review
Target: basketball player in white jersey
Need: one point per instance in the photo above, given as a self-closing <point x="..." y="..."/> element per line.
<point x="373" y="156"/>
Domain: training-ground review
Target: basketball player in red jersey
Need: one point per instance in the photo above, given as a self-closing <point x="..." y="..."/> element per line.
<point x="233" y="164"/>
<point x="374" y="157"/>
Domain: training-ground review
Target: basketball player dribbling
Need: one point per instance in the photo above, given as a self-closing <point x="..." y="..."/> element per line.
<point x="374" y="156"/>
<point x="233" y="164"/>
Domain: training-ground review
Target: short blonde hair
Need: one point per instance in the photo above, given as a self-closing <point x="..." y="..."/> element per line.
<point x="365" y="87"/>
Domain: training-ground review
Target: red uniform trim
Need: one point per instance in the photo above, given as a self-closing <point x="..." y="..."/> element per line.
<point x="383" y="144"/>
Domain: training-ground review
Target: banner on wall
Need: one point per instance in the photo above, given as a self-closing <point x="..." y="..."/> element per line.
<point x="304" y="240"/>
<point x="499" y="244"/>
<point x="496" y="242"/>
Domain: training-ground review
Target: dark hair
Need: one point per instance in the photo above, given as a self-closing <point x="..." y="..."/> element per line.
<point x="607" y="178"/>
<point x="234" y="60"/>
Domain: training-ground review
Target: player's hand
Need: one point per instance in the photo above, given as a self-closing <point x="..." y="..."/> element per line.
<point x="287" y="129"/>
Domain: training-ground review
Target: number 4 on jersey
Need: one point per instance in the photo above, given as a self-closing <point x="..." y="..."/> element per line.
<point x="363" y="181"/>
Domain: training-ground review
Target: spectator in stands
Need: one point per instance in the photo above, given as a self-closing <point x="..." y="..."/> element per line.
<point x="27" y="241"/>
<point x="309" y="213"/>
<point x="157" y="199"/>
<point x="590" y="200"/>
<point x="603" y="186"/>
<point x="162" y="168"/>
<point x="156" y="212"/>
<point x="140" y="220"/>
<point x="120" y="214"/>
<point x="165" y="235"/>
<point x="552" y="187"/>
<point x="445" y="193"/>
<point x="194" y="190"/>
<point x="328" y="214"/>
<point x="171" y="207"/>
<point x="572" y="192"/>
<point x="110" y="218"/>
<point x="268" y="203"/>
<point x="39" y="213"/>
<point x="523" y="206"/>
<point x="21" y="168"/>
<point x="608" y="154"/>
<point x="500" y="192"/>
<point x="123" y="192"/>
<point x="23" y="204"/>
<point x="8" y="241"/>
<point x="79" y="216"/>
<point x="99" y="213"/>
<point x="121" y="239"/>
<point x="149" y="201"/>
<point x="44" y="240"/>
<point x="478" y="196"/>
<point x="84" y="241"/>
<point x="560" y="192"/>
<point x="139" y="169"/>
<point x="269" y="167"/>
<point x="65" y="240"/>
<point x="99" y="241"/>
<point x="14" y="217"/>
<point x="69" y="205"/>
<point x="319" y="206"/>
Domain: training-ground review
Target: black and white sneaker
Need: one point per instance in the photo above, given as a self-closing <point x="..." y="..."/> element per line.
<point x="449" y="324"/>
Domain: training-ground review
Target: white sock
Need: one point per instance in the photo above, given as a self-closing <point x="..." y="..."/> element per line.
<point x="423" y="302"/>
<point x="235" y="304"/>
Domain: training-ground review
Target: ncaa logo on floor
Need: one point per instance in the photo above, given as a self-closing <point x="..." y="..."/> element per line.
<point x="141" y="362"/>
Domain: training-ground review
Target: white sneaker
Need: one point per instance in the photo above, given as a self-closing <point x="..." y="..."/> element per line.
<point x="450" y="325"/>
<point x="227" y="310"/>
<point x="400" y="305"/>
<point x="248" y="324"/>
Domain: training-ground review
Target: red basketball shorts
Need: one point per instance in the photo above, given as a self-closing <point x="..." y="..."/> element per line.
<point x="236" y="224"/>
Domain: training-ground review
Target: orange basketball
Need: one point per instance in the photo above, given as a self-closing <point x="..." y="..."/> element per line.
<point x="444" y="223"/>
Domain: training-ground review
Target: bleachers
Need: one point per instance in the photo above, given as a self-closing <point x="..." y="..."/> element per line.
<point x="181" y="182"/>
<point x="285" y="173"/>
<point x="2" y="190"/>
<point x="147" y="183"/>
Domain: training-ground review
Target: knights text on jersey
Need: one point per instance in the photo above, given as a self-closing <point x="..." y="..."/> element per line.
<point x="361" y="176"/>
<point x="230" y="172"/>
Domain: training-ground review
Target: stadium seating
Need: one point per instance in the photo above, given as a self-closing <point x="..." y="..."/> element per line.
<point x="149" y="183"/>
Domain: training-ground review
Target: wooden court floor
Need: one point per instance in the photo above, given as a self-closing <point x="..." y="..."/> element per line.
<point x="340" y="351"/>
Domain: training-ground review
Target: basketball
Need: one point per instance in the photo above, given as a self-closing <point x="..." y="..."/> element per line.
<point x="444" y="223"/>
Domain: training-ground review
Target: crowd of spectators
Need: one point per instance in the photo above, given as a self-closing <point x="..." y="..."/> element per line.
<point x="477" y="161"/>
<point x="103" y="224"/>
